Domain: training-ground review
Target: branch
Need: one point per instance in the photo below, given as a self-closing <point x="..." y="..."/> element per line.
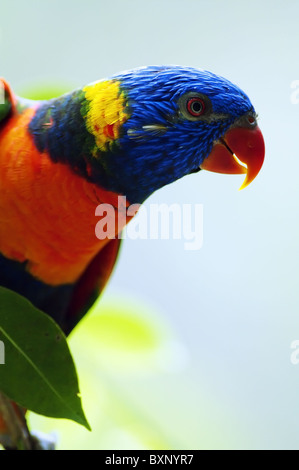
<point x="18" y="436"/>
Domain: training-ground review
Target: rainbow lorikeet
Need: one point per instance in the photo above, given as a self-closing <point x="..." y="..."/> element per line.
<point x="127" y="135"/>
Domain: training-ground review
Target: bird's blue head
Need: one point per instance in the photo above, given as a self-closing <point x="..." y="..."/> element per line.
<point x="177" y="120"/>
<point x="142" y="129"/>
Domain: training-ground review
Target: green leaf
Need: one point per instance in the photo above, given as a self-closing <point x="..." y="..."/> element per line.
<point x="4" y="107"/>
<point x="39" y="372"/>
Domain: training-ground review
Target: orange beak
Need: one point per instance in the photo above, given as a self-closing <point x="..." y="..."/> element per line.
<point x="240" y="151"/>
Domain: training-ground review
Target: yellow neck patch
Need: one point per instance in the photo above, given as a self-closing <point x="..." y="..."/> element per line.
<point x="106" y="112"/>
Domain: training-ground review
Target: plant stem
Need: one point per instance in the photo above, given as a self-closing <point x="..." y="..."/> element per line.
<point x="18" y="436"/>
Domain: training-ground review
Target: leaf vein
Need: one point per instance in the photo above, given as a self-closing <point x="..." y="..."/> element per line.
<point x="37" y="370"/>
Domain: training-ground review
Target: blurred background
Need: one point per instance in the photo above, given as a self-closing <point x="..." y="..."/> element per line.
<point x="186" y="349"/>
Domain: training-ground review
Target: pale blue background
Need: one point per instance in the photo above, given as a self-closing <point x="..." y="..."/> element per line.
<point x="233" y="305"/>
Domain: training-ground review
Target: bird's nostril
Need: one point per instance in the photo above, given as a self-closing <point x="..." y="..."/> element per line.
<point x="251" y="120"/>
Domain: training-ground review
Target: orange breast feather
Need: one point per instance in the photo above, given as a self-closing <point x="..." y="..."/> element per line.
<point x="47" y="212"/>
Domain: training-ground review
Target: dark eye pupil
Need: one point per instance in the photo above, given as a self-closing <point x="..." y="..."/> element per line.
<point x="196" y="107"/>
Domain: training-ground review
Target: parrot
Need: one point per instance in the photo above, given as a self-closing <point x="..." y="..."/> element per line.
<point x="126" y="135"/>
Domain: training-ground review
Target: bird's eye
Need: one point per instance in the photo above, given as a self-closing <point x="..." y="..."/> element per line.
<point x="195" y="106"/>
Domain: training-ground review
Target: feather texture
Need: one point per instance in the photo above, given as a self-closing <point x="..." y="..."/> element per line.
<point x="59" y="159"/>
